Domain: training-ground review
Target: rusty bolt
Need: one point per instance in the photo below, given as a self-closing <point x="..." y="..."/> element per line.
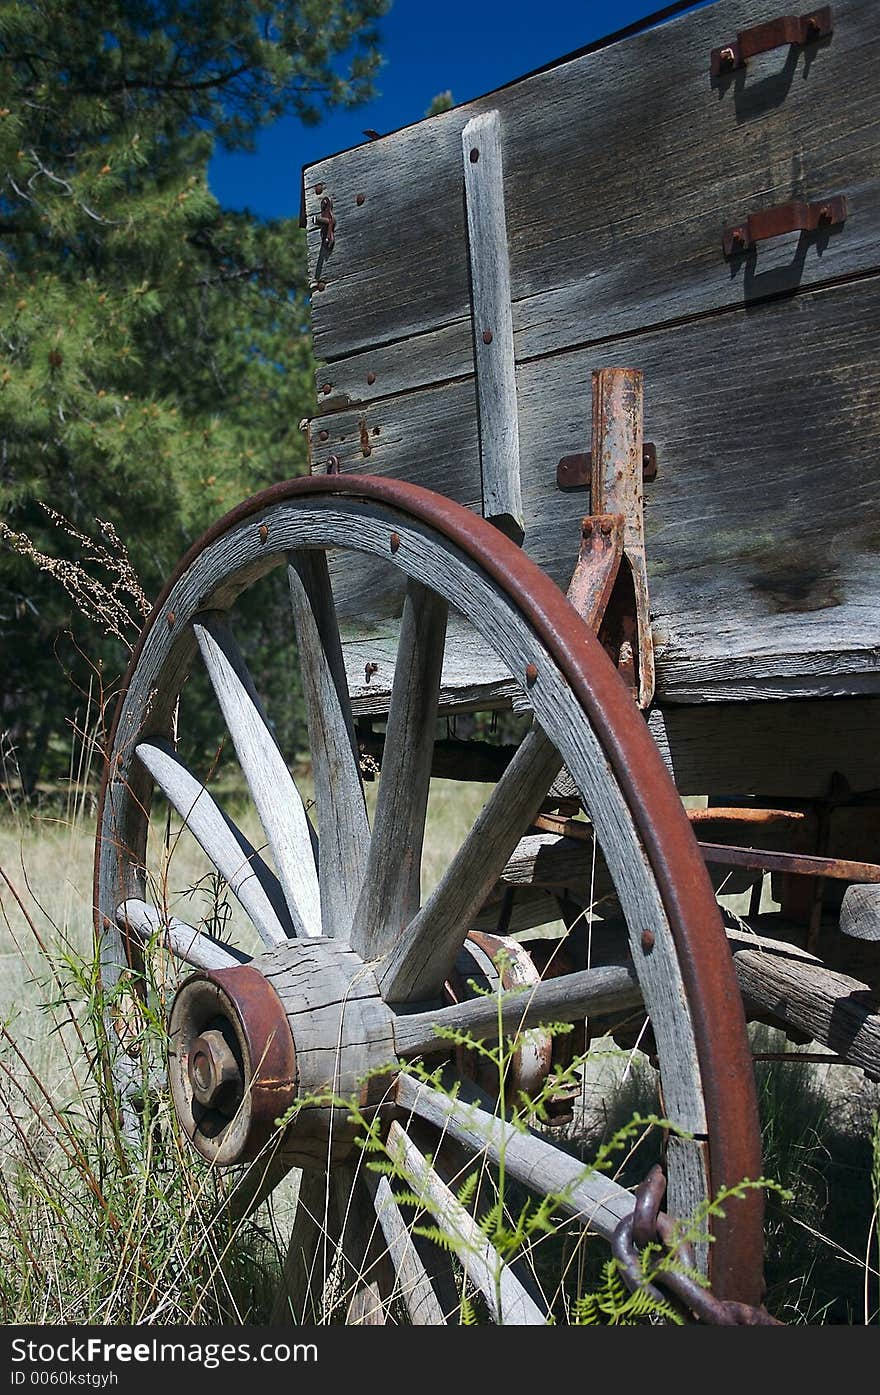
<point x="727" y="58"/>
<point x="475" y="155"/>
<point x="647" y="941"/>
<point x="825" y="213"/>
<point x="531" y="673"/>
<point x="326" y="388"/>
<point x="371" y="378"/>
<point x="360" y="200"/>
<point x="606" y="527"/>
<point x="214" y="1073"/>
<point x="320" y="285"/>
<point x="369" y="670"/>
<point x="319" y="188"/>
<point x="587" y="528"/>
<point x="323" y="434"/>
<point x="738" y="237"/>
<point x="366" y="450"/>
<point x="487" y="336"/>
<point x="171" y="617"/>
<point x="813" y="27"/>
<point x="332" y="464"/>
<point x="395" y="541"/>
<point x="264" y="533"/>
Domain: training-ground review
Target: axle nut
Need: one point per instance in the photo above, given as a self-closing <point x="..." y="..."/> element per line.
<point x="214" y="1073"/>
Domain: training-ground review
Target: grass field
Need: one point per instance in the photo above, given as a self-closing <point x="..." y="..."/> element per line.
<point x="88" y="1235"/>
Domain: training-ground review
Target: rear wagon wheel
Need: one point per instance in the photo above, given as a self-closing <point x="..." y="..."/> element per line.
<point x="348" y="950"/>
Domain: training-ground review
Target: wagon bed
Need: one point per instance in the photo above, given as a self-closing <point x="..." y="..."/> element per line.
<point x="622" y="170"/>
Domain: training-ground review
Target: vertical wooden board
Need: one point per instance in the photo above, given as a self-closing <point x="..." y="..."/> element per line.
<point x="492" y="323"/>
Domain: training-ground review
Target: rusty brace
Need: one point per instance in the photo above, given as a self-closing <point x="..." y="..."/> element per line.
<point x="647" y="1225"/>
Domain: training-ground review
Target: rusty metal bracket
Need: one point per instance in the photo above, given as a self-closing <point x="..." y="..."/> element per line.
<point x="787" y="29"/>
<point x="576" y="471"/>
<point x="617" y="488"/>
<point x="796" y="216"/>
<point x="597" y="566"/>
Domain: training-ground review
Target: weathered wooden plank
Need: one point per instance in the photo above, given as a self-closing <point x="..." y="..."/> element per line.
<point x="505" y="1296"/>
<point x="611" y="226"/>
<point x="756" y="589"/>
<point x="414" y="1286"/>
<point x="770" y="748"/>
<point x="421" y="960"/>
<point x="278" y="801"/>
<point x="492" y="323"/>
<point x="183" y="940"/>
<point x="390" y="894"/>
<point x="248" y="877"/>
<point x="339" y="796"/>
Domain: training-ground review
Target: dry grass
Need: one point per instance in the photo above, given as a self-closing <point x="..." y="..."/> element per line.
<point x="161" y="1258"/>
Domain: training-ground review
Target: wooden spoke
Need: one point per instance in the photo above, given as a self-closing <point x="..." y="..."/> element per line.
<point x="390" y="894"/>
<point x="339" y="796"/>
<point x="413" y="1283"/>
<point x="505" y="1296"/>
<point x="256" y="1185"/>
<point x="568" y="998"/>
<point x="369" y="1276"/>
<point x="249" y="879"/>
<point x="184" y="941"/>
<point x="422" y="959"/>
<point x="278" y="801"/>
<point x="528" y="1158"/>
<point x="310" y="1254"/>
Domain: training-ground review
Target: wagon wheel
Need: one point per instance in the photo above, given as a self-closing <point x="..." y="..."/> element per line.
<point x="349" y="952"/>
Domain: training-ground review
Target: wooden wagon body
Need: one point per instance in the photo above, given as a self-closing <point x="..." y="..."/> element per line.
<point x="601" y="214"/>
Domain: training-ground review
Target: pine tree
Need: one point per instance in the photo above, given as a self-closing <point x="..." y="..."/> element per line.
<point x="154" y="353"/>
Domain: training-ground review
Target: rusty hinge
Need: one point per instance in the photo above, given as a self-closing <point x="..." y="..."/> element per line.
<point x="787" y="29"/>
<point x="576" y="471"/>
<point x="796" y="216"/>
<point x="326" y="221"/>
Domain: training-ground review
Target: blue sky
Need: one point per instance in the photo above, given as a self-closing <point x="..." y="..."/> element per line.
<point x="466" y="46"/>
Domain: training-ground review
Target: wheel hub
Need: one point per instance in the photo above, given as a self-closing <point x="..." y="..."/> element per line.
<point x="300" y="1034"/>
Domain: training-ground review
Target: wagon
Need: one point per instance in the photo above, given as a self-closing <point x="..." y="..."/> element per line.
<point x="593" y="477"/>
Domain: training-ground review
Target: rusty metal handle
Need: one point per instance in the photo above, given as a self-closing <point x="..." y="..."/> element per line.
<point x="796" y="216"/>
<point x="787" y="29"/>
